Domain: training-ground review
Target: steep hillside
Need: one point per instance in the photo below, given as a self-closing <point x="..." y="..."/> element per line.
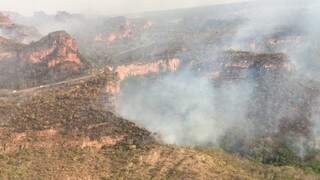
<point x="53" y="58"/>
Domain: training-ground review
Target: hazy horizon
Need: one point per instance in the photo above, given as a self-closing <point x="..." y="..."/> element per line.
<point x="105" y="7"/>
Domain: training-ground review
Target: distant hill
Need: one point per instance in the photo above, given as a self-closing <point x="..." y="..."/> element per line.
<point x="53" y="58"/>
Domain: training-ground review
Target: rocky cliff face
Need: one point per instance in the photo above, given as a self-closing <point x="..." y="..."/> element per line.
<point x="143" y="69"/>
<point x="54" y="49"/>
<point x="53" y="58"/>
<point x="125" y="71"/>
<point x="237" y="65"/>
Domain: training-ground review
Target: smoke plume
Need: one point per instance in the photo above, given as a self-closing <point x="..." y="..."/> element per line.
<point x="190" y="110"/>
<point x="184" y="108"/>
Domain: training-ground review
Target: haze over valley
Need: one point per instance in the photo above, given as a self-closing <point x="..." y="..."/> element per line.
<point x="159" y="89"/>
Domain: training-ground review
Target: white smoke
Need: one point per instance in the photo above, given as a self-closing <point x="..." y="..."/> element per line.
<point x="265" y="18"/>
<point x="184" y="108"/>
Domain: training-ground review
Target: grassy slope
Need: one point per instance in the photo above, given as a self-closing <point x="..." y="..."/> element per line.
<point x="149" y="162"/>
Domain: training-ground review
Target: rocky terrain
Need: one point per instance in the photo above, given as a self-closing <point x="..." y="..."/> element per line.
<point x="91" y="98"/>
<point x="53" y="58"/>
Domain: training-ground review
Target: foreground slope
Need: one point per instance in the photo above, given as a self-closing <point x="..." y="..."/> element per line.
<point x="67" y="132"/>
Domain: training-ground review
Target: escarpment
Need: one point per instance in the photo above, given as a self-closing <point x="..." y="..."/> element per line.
<point x="142" y="69"/>
<point x="53" y="58"/>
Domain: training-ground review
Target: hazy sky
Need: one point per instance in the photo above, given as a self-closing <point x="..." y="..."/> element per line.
<point x="27" y="7"/>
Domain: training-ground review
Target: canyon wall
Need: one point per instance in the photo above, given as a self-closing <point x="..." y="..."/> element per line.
<point x="156" y="67"/>
<point x="56" y="48"/>
<point x="53" y="58"/>
<point x="132" y="70"/>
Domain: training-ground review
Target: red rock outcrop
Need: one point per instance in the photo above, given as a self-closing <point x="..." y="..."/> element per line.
<point x="125" y="71"/>
<point x="131" y="70"/>
<point x="54" y="49"/>
<point x="53" y="58"/>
